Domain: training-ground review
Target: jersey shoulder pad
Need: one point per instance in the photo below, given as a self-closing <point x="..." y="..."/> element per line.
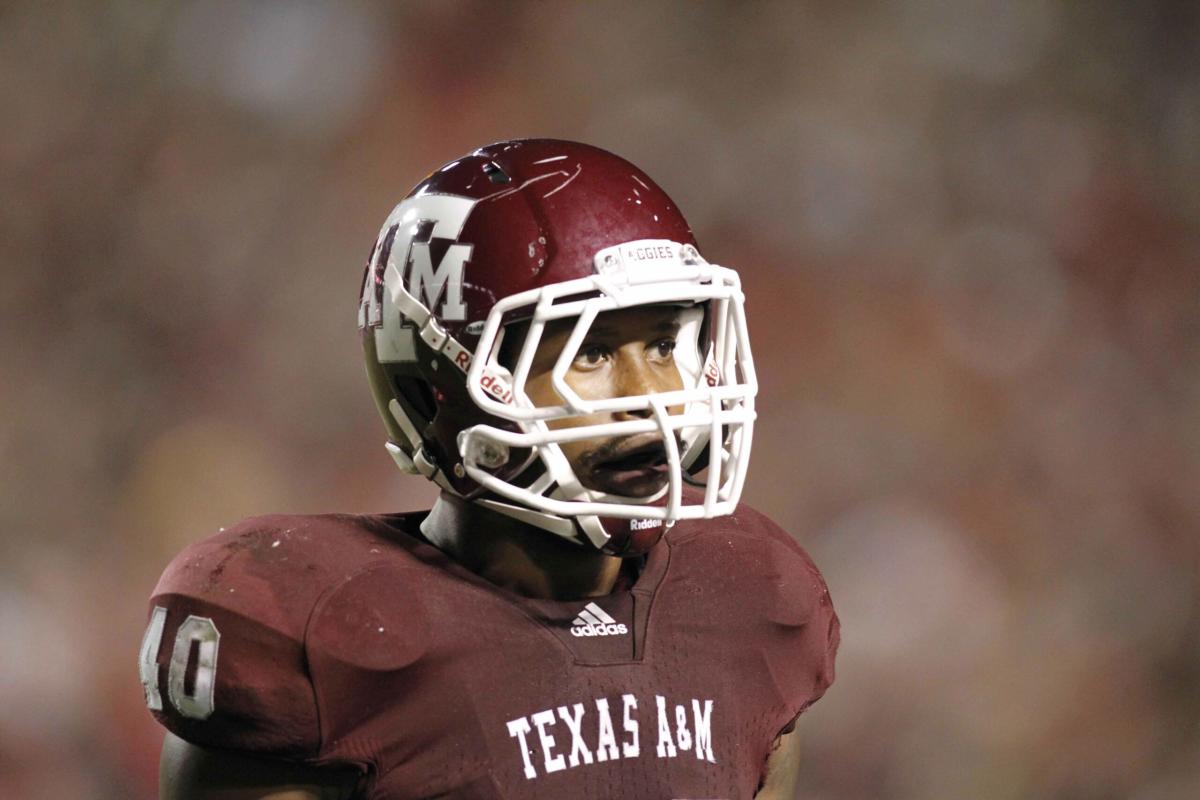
<point x="751" y="548"/>
<point x="801" y="606"/>
<point x="773" y="578"/>
<point x="224" y="660"/>
<point x="368" y="639"/>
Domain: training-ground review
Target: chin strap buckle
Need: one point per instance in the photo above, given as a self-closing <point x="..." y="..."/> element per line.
<point x="417" y="464"/>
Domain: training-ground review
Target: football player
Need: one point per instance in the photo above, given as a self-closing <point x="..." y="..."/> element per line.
<point x="587" y="611"/>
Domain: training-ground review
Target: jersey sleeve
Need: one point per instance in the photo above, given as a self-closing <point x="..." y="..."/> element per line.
<point x="223" y="659"/>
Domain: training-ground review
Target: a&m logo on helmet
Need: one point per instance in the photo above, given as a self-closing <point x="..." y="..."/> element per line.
<point x="418" y="252"/>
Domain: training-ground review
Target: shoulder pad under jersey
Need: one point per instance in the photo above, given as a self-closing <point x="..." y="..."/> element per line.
<point x="778" y="583"/>
<point x="224" y="660"/>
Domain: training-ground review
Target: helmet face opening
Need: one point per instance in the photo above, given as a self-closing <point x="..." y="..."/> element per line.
<point x="482" y="300"/>
<point x="712" y="409"/>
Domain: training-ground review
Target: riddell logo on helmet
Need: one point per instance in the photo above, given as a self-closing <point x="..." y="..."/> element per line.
<point x="497" y="387"/>
<point x="644" y="524"/>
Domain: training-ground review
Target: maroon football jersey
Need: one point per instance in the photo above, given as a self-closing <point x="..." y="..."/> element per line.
<point x="349" y="640"/>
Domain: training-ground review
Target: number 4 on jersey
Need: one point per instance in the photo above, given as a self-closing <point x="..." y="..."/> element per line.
<point x="195" y="643"/>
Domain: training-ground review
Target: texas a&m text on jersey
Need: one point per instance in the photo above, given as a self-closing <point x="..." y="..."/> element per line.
<point x="588" y="611"/>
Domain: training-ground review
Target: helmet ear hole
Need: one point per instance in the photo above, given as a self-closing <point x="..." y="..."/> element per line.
<point x="495" y="174"/>
<point x="417" y="395"/>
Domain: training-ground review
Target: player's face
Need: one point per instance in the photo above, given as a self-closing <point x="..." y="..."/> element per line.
<point x="628" y="352"/>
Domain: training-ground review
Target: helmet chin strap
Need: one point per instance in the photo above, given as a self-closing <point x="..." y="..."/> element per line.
<point x="559" y="526"/>
<point x="586" y="530"/>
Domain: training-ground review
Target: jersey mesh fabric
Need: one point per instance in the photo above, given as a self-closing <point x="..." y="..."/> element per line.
<point x="350" y="641"/>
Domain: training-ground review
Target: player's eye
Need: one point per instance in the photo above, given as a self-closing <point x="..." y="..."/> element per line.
<point x="662" y="350"/>
<point x="591" y="356"/>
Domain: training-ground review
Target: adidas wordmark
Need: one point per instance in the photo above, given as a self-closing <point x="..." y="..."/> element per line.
<point x="595" y="621"/>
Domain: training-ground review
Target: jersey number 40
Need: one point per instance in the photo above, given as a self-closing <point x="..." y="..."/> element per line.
<point x="191" y="677"/>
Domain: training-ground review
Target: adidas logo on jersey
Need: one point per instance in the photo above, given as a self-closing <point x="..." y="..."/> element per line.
<point x="595" y="621"/>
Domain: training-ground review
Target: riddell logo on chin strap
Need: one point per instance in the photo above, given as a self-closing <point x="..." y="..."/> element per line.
<point x="595" y="621"/>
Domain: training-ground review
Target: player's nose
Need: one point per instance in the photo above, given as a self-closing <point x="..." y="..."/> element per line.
<point x="634" y="377"/>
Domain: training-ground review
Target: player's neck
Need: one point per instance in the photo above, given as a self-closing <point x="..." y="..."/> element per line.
<point x="515" y="556"/>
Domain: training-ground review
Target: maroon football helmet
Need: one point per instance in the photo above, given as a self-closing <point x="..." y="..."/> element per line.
<point x="535" y="231"/>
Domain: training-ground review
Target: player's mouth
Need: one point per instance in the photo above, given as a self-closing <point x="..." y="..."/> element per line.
<point x="634" y="467"/>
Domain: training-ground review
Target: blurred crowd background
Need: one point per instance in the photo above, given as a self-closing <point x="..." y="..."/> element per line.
<point x="970" y="233"/>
